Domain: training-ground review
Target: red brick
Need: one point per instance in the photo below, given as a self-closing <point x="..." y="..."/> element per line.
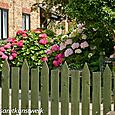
<point x="26" y="10"/>
<point x="4" y="5"/>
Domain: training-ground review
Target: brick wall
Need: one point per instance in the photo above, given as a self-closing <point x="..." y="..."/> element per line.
<point x="15" y="9"/>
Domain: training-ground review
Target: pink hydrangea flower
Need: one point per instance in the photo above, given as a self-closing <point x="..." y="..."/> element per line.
<point x="4" y="56"/>
<point x="43" y="41"/>
<point x="60" y="60"/>
<point x="44" y="59"/>
<point x="2" y="49"/>
<point x="37" y="31"/>
<point x="19" y="32"/>
<point x="59" y="56"/>
<point x="55" y="47"/>
<point x="75" y="45"/>
<point x="62" y="46"/>
<point x="84" y="44"/>
<point x="1" y="53"/>
<point x="68" y="41"/>
<point x="43" y="35"/>
<point x="14" y="54"/>
<point x="20" y="43"/>
<point x="11" y="57"/>
<point x="24" y="35"/>
<point x="49" y="51"/>
<point x="68" y="52"/>
<point x="56" y="63"/>
<point x="12" y="40"/>
<point x="7" y="46"/>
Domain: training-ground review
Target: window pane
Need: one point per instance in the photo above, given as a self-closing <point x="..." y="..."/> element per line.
<point x="23" y="22"/>
<point x="5" y="26"/>
<point x="0" y="24"/>
<point x="27" y="22"/>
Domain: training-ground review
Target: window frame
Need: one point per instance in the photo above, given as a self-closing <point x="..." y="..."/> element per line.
<point x="25" y="24"/>
<point x="2" y="24"/>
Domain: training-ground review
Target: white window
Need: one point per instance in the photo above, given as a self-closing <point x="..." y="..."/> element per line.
<point x="3" y="24"/>
<point x="25" y="21"/>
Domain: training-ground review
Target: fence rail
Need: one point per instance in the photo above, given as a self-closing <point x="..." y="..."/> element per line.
<point x="85" y="89"/>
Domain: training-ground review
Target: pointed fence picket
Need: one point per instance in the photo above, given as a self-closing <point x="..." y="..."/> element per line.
<point x="107" y="77"/>
<point x="55" y="92"/>
<point x="85" y="90"/>
<point x="34" y="89"/>
<point x="15" y="88"/>
<point x="65" y="90"/>
<point x="34" y="95"/>
<point x="45" y="89"/>
<point x="24" y="86"/>
<point x="5" y="86"/>
<point x="75" y="92"/>
<point x="96" y="98"/>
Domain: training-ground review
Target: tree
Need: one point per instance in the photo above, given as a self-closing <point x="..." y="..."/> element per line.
<point x="99" y="19"/>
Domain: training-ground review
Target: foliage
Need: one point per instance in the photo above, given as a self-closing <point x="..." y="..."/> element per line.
<point x="98" y="17"/>
<point x="29" y="45"/>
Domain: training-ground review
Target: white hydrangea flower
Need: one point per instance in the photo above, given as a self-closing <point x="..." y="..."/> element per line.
<point x="84" y="36"/>
<point x="78" y="51"/>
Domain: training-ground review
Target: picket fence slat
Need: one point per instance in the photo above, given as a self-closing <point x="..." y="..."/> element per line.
<point x="75" y="92"/>
<point x="85" y="90"/>
<point x="5" y="86"/>
<point x="80" y="83"/>
<point x="114" y="90"/>
<point x="65" y="90"/>
<point x="96" y="98"/>
<point x="55" y="92"/>
<point x="25" y="86"/>
<point x="34" y="89"/>
<point x="107" y="77"/>
<point x="15" y="88"/>
<point x="45" y="88"/>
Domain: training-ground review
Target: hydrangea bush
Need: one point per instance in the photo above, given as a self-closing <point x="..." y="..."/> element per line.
<point x="37" y="46"/>
<point x="33" y="46"/>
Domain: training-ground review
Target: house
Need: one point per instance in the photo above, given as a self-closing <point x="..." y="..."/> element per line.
<point x="15" y="15"/>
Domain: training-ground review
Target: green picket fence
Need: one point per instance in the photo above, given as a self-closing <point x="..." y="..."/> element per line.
<point x="40" y="98"/>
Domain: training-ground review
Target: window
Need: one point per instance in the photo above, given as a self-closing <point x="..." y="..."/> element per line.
<point x="43" y="20"/>
<point x="25" y="21"/>
<point x="3" y="24"/>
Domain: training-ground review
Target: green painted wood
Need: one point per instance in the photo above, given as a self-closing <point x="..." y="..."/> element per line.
<point x="85" y="90"/>
<point x="15" y="88"/>
<point x="5" y="86"/>
<point x="24" y="85"/>
<point x="55" y="92"/>
<point x="34" y="89"/>
<point x="114" y="90"/>
<point x="65" y="90"/>
<point x="96" y="98"/>
<point x="107" y="77"/>
<point x="75" y="92"/>
<point x="44" y="88"/>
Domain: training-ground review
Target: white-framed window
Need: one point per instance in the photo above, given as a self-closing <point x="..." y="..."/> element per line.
<point x="25" y="21"/>
<point x="3" y="23"/>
